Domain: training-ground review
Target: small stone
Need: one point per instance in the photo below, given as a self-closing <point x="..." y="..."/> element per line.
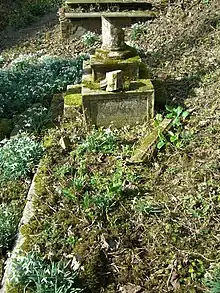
<point x="130" y="288"/>
<point x="115" y="80"/>
<point x="64" y="142"/>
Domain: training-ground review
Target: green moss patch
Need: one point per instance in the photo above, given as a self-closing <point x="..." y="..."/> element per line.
<point x="91" y="84"/>
<point x="73" y="100"/>
<point x="112" y="61"/>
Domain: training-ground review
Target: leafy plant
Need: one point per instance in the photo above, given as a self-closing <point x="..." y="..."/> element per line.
<point x="177" y="114"/>
<point x="9" y="218"/>
<point x="18" y="156"/>
<point x="31" y="79"/>
<point x="37" y="275"/>
<point x="89" y="39"/>
<point x="144" y="206"/>
<point x="100" y="140"/>
<point x="32" y="120"/>
<point x="137" y="30"/>
<point x="212" y="280"/>
<point x="175" y="135"/>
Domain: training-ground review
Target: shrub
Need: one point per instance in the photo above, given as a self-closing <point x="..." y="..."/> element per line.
<point x="39" y="276"/>
<point x="30" y="79"/>
<point x="32" y="120"/>
<point x="18" y="157"/>
<point x="9" y="219"/>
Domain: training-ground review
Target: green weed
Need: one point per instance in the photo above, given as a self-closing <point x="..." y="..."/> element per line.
<point x="137" y="30"/>
<point x="175" y="136"/>
<point x="101" y="140"/>
<point x="89" y="39"/>
<point x="212" y="280"/>
<point x="145" y="207"/>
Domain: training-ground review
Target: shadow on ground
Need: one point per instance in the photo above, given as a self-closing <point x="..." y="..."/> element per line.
<point x="10" y="37"/>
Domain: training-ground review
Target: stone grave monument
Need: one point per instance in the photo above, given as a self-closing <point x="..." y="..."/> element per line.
<point x="116" y="88"/>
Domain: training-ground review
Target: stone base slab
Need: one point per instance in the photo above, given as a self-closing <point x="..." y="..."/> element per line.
<point x="129" y="107"/>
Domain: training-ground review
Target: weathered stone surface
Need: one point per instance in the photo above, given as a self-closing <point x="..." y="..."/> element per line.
<point x="130" y="67"/>
<point x="107" y="55"/>
<point x="27" y="215"/>
<point x="114" y="81"/>
<point x="64" y="142"/>
<point x="103" y="84"/>
<point x="74" y="89"/>
<point x="148" y="143"/>
<point x="72" y="105"/>
<point x="120" y="108"/>
<point x="112" y="35"/>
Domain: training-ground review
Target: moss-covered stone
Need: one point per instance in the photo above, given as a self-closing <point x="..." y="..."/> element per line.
<point x="109" y="61"/>
<point x="48" y="142"/>
<point x="129" y="66"/>
<point x="124" y="53"/>
<point x="73" y="100"/>
<point x="74" y="89"/>
<point x="72" y="105"/>
<point x="148" y="143"/>
<point x="141" y="85"/>
<point x="91" y="84"/>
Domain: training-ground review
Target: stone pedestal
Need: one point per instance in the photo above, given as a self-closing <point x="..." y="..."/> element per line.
<point x="127" y="107"/>
<point x="112" y="35"/>
<point x="108" y="99"/>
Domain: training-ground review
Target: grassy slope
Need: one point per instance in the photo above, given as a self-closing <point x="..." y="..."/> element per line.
<point x="175" y="249"/>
